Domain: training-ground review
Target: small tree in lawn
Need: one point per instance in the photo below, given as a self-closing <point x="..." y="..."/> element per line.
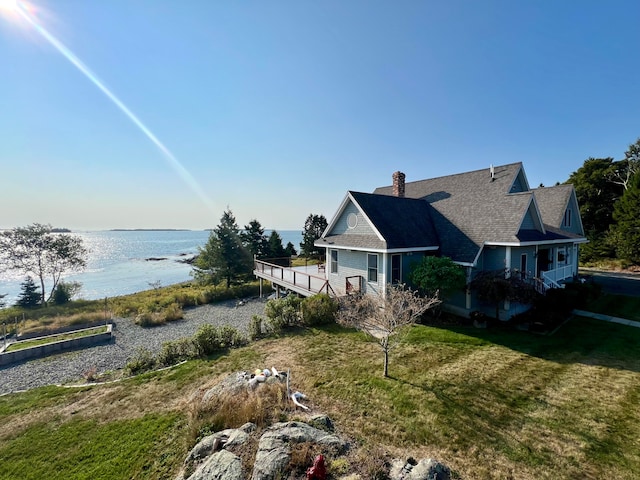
<point x="29" y="295"/>
<point x="385" y="317"/>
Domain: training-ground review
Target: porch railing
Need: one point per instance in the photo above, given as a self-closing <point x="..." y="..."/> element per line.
<point x="291" y="278"/>
<point x="354" y="284"/>
<point x="552" y="278"/>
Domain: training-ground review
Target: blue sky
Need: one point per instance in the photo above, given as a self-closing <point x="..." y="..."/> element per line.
<point x="277" y="108"/>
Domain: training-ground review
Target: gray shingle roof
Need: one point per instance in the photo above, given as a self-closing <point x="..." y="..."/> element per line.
<point x="472" y="208"/>
<point x="552" y="202"/>
<point x="459" y="213"/>
<point x="365" y="242"/>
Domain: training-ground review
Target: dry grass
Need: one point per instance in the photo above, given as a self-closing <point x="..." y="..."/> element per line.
<point x="263" y="406"/>
<point x="49" y="323"/>
<point x="490" y="404"/>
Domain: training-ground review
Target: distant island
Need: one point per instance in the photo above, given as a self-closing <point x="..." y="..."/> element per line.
<point x="149" y="230"/>
<point x="60" y="230"/>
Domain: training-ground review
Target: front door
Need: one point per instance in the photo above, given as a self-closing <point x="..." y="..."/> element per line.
<point x="543" y="261"/>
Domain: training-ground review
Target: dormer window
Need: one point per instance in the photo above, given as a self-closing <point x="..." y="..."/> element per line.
<point x="566" y="221"/>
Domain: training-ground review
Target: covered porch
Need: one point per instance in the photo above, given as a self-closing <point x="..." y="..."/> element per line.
<point x="306" y="280"/>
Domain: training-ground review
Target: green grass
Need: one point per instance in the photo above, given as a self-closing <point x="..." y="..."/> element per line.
<point x="87" y="449"/>
<point x="492" y="403"/>
<point x="55" y="338"/>
<point x="616" y="305"/>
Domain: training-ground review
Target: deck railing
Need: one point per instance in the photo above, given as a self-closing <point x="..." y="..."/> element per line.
<point x="291" y="278"/>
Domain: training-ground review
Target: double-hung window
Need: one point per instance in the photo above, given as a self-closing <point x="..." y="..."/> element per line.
<point x="334" y="261"/>
<point x="372" y="267"/>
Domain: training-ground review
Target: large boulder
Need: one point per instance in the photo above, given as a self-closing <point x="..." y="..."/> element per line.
<point x="222" y="465"/>
<point x="274" y="448"/>
<point x="211" y="443"/>
<point x="425" y="469"/>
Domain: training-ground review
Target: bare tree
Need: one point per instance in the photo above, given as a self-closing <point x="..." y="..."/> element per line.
<point x="384" y="317"/>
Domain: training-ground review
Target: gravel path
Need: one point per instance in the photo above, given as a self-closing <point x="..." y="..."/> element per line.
<point x="69" y="367"/>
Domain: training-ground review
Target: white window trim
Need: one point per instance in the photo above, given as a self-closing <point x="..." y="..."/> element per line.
<point x="369" y="269"/>
<point x="331" y="262"/>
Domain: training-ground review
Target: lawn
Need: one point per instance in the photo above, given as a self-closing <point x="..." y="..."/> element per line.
<point x="489" y="403"/>
<point x="616" y="305"/>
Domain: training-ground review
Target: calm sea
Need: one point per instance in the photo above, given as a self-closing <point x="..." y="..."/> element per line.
<point x="118" y="261"/>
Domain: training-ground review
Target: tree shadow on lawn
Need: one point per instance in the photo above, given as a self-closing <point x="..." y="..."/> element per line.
<point x="578" y="340"/>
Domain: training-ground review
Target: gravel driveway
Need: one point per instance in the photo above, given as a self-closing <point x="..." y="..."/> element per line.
<point x="128" y="338"/>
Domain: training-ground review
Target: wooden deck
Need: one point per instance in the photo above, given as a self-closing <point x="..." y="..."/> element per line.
<point x="306" y="280"/>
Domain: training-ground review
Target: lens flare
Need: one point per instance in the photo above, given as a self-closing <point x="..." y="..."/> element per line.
<point x="182" y="172"/>
<point x="8" y="5"/>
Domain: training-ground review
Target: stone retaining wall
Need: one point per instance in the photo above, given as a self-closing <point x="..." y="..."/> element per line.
<point x="55" y="347"/>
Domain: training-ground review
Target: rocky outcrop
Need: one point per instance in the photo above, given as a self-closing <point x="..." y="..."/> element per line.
<point x="274" y="448"/>
<point x="224" y="439"/>
<point x="222" y="465"/>
<point x="425" y="469"/>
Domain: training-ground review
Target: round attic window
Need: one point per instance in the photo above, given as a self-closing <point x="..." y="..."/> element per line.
<point x="352" y="220"/>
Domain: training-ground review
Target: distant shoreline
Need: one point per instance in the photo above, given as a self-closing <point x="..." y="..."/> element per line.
<point x="150" y="230"/>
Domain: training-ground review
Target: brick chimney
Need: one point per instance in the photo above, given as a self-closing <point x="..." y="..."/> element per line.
<point x="398" y="184"/>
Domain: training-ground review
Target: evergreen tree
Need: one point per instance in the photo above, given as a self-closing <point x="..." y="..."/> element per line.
<point x="254" y="239"/>
<point x="626" y="231"/>
<point x="596" y="194"/>
<point x="290" y="250"/>
<point x="224" y="257"/>
<point x="30" y="295"/>
<point x="276" y="250"/>
<point x="2" y="302"/>
<point x="314" y="227"/>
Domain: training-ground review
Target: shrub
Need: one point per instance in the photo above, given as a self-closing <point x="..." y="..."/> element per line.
<point x="65" y="291"/>
<point x="283" y="312"/>
<point x="255" y="327"/>
<point x="177" y="351"/>
<point x="209" y="339"/>
<point x="206" y="340"/>
<point x="230" y="337"/>
<point x="149" y="319"/>
<point x="172" y="312"/>
<point x="141" y="362"/>
<point x="319" y="309"/>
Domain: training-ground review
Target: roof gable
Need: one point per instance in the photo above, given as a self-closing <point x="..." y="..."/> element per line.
<point x="366" y="220"/>
<point x="553" y="203"/>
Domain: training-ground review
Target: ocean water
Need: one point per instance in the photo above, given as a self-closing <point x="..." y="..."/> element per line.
<point x="118" y="261"/>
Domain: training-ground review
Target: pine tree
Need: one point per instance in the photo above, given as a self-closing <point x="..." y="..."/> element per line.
<point x="314" y="227"/>
<point x="224" y="257"/>
<point x="254" y="239"/>
<point x="276" y="250"/>
<point x="30" y="295"/>
<point x="626" y="230"/>
<point x="290" y="250"/>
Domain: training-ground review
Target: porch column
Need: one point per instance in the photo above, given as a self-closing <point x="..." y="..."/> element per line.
<point x="507" y="262"/>
<point x="385" y="258"/>
<point x="260" y="281"/>
<point x="467" y="290"/>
